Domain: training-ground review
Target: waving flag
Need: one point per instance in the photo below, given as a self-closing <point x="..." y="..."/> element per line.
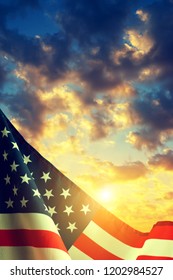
<point x="27" y="230"/>
<point x="37" y="201"/>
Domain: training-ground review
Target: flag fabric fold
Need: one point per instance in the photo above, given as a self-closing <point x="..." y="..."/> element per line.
<point x="44" y="215"/>
<point x="107" y="237"/>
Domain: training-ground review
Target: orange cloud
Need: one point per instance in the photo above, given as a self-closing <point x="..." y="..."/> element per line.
<point x="162" y="161"/>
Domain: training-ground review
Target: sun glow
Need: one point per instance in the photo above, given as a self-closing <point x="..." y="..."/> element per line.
<point x="105" y="195"/>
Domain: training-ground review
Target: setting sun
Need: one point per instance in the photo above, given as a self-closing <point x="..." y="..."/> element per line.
<point x="105" y="195"/>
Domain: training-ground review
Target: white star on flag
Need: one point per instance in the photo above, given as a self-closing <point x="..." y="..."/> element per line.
<point x="15" y="190"/>
<point x="26" y="159"/>
<point x="46" y="176"/>
<point x="52" y="211"/>
<point x="7" y="180"/>
<point x="14" y="166"/>
<point x="65" y="193"/>
<point x="5" y="132"/>
<point x="9" y="203"/>
<point x="24" y="202"/>
<point x="5" y="155"/>
<point x="85" y="209"/>
<point x="48" y="194"/>
<point x="15" y="146"/>
<point x="68" y="210"/>
<point x="25" y="178"/>
<point x="36" y="193"/>
<point x="72" y="227"/>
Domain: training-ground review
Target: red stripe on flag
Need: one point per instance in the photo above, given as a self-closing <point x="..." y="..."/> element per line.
<point x="153" y="258"/>
<point x="162" y="230"/>
<point x="34" y="238"/>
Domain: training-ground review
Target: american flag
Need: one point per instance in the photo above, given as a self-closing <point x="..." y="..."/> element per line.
<point x="27" y="230"/>
<point x="43" y="214"/>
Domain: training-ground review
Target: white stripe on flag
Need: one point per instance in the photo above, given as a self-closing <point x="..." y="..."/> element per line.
<point x="27" y="221"/>
<point x="77" y="254"/>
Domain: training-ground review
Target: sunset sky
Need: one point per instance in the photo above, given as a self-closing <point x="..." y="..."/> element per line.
<point x="90" y="85"/>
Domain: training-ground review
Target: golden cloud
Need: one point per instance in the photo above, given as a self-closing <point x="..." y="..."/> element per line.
<point x="146" y="140"/>
<point x="141" y="44"/>
<point x="142" y="15"/>
<point x="150" y="73"/>
<point x="136" y="47"/>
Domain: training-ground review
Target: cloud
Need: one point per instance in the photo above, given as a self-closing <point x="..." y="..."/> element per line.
<point x="3" y="76"/>
<point x="26" y="105"/>
<point x="142" y="15"/>
<point x="147" y="138"/>
<point x="117" y="173"/>
<point x="94" y="23"/>
<point x="86" y="34"/>
<point x="162" y="161"/>
<point x="48" y="54"/>
<point x="97" y="28"/>
<point x="169" y="196"/>
<point x="131" y="171"/>
<point x="101" y="48"/>
<point x="100" y="25"/>
<point x="161" y="25"/>
<point x="139" y="44"/>
<point x="108" y="116"/>
<point x="150" y="73"/>
<point x="154" y="113"/>
<point x="155" y="93"/>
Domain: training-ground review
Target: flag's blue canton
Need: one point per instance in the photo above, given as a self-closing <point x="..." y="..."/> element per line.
<point x="29" y="183"/>
<point x="18" y="191"/>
